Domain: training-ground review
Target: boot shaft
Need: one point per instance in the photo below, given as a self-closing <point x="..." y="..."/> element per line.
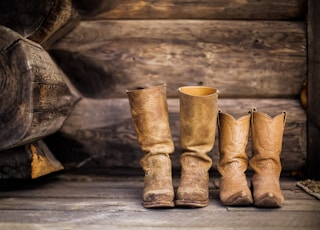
<point x="149" y="111"/>
<point x="267" y="135"/>
<point x="198" y="118"/>
<point x="233" y="140"/>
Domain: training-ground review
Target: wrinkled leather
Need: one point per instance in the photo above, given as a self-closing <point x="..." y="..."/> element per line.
<point x="149" y="111"/>
<point x="198" y="119"/>
<point x="267" y="134"/>
<point x="233" y="140"/>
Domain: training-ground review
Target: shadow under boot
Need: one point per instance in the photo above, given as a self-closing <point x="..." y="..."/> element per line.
<point x="233" y="140"/>
<point x="149" y="111"/>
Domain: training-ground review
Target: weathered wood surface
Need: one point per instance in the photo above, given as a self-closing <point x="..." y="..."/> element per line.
<point x="34" y="99"/>
<point x="181" y="9"/>
<point x="241" y="58"/>
<point x="60" y="20"/>
<point x="28" y="162"/>
<point x="100" y="133"/>
<point x="24" y="18"/>
<point x="67" y="201"/>
<point x="313" y="161"/>
<point x="42" y="21"/>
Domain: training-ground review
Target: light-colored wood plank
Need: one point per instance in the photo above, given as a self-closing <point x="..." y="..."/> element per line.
<point x="188" y="218"/>
<point x="58" y="226"/>
<point x="241" y="58"/>
<point x="49" y="210"/>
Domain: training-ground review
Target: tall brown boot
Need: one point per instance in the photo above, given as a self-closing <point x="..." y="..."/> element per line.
<point x="198" y="119"/>
<point x="267" y="133"/>
<point x="150" y="115"/>
<point x="233" y="140"/>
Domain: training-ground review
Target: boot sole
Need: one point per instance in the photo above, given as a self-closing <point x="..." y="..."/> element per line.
<point x="192" y="203"/>
<point x="158" y="204"/>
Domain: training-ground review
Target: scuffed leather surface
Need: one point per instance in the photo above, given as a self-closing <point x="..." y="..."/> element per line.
<point x="150" y="115"/>
<point x="198" y="119"/>
<point x="233" y="140"/>
<point x="267" y="135"/>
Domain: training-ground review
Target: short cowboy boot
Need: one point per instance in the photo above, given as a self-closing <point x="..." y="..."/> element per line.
<point x="233" y="140"/>
<point x="267" y="134"/>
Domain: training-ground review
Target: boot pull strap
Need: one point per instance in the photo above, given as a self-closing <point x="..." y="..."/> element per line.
<point x="285" y="116"/>
<point x="218" y="119"/>
<point x="253" y="109"/>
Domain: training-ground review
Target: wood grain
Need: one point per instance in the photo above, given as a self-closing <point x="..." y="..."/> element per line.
<point x="181" y="9"/>
<point x="24" y="18"/>
<point x="255" y="59"/>
<point x="313" y="89"/>
<point x="28" y="162"/>
<point x="34" y="99"/>
<point x="100" y="133"/>
<point x="107" y="202"/>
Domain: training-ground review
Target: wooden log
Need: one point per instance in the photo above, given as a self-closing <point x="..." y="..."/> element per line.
<point x="28" y="162"/>
<point x="100" y="133"/>
<point x="61" y="19"/>
<point x="24" y="16"/>
<point x="42" y="21"/>
<point x="34" y="99"/>
<point x="313" y="161"/>
<point x="181" y="9"/>
<point x="254" y="59"/>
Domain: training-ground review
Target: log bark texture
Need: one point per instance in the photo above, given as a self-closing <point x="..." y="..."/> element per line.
<point x="249" y="59"/>
<point x="34" y="99"/>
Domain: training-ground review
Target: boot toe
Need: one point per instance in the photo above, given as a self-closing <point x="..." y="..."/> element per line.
<point x="191" y="198"/>
<point x="269" y="200"/>
<point x="241" y="198"/>
<point x="159" y="199"/>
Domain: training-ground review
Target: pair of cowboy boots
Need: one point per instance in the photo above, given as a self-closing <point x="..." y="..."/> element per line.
<point x="198" y="114"/>
<point x="266" y="137"/>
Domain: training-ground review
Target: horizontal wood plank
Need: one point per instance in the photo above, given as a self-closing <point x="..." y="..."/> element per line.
<point x="240" y="58"/>
<point x="91" y="202"/>
<point x="125" y="205"/>
<point x="313" y="89"/>
<point x="188" y="219"/>
<point x="180" y="9"/>
<point x="100" y="132"/>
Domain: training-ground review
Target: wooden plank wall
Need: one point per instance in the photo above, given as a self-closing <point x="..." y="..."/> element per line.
<point x="313" y="160"/>
<point x="254" y="52"/>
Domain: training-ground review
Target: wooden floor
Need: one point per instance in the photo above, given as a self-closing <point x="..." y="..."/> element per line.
<point x="77" y="201"/>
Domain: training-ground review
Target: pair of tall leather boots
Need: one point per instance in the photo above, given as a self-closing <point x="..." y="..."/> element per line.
<point x="198" y="114"/>
<point x="198" y="119"/>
